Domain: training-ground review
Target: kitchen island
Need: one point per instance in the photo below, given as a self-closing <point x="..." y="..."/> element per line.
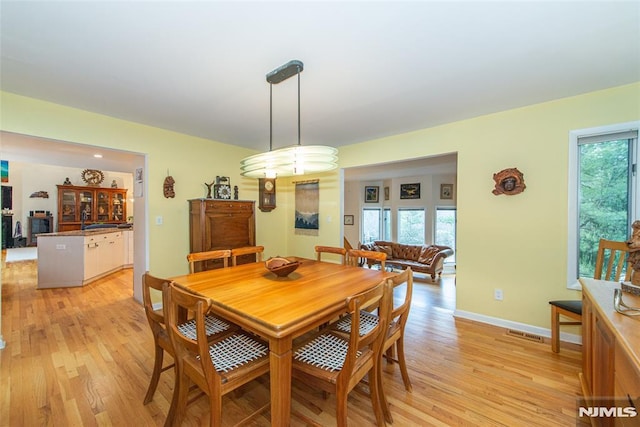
<point x="76" y="258"/>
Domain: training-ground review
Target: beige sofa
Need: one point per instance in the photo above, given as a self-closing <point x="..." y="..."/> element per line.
<point x="427" y="259"/>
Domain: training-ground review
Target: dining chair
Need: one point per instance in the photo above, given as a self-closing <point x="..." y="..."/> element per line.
<point x="157" y="322"/>
<point x="393" y="346"/>
<point x="217" y="367"/>
<point x="336" y="363"/>
<point x="615" y="255"/>
<point x="223" y="254"/>
<point x="331" y="250"/>
<point x="358" y="257"/>
<point x="246" y="250"/>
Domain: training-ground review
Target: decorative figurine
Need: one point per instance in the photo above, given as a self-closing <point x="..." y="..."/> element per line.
<point x="235" y="192"/>
<point x="114" y="184"/>
<point x="67" y="181"/>
<point x="634" y="252"/>
<point x="168" y="187"/>
<point x="209" y="189"/>
<point x="509" y="182"/>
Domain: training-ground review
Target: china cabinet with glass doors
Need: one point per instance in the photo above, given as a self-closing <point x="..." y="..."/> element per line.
<point x="78" y="206"/>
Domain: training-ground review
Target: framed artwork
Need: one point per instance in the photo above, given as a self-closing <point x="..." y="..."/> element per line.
<point x="386" y="193"/>
<point x="348" y="220"/>
<point x="371" y="194"/>
<point x="410" y="191"/>
<point x="446" y="191"/>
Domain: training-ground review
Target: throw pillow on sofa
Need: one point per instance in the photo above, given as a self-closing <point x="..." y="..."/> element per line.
<point x="427" y="254"/>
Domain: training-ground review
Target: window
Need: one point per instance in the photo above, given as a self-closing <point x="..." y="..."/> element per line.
<point x="602" y="192"/>
<point x="371" y="224"/>
<point x="446" y="230"/>
<point x="411" y="226"/>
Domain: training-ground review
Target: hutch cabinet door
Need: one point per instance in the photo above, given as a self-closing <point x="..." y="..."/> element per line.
<point x="68" y="202"/>
<point x="217" y="224"/>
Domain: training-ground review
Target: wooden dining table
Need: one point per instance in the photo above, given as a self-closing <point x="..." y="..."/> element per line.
<point x="281" y="308"/>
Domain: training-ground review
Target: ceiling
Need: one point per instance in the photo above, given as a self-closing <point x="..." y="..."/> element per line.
<point x="371" y="68"/>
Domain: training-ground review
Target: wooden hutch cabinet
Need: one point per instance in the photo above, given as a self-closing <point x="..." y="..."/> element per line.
<point x="221" y="224"/>
<point x="102" y="205"/>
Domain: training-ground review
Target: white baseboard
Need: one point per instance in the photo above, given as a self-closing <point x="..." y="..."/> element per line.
<point x="523" y="327"/>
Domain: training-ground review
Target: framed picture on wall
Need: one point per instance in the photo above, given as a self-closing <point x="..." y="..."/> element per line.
<point x="446" y="191"/>
<point x="410" y="191"/>
<point x="386" y="193"/>
<point x="371" y="194"/>
<point x="348" y="220"/>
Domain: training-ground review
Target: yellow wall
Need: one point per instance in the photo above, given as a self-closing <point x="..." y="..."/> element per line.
<point x="516" y="243"/>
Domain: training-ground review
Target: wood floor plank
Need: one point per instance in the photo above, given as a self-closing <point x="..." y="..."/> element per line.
<point x="83" y="356"/>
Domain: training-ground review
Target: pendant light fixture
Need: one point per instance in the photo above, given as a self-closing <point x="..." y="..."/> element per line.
<point x="294" y="159"/>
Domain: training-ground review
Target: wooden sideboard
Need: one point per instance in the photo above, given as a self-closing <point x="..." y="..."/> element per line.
<point x="610" y="352"/>
<point x="221" y="224"/>
<point x="101" y="205"/>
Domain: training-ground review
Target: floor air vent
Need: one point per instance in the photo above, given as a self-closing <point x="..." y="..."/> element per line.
<point x="524" y="335"/>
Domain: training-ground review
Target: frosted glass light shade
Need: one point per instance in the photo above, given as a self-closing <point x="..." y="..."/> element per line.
<point x="289" y="161"/>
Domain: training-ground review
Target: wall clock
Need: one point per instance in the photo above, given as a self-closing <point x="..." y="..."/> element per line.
<point x="266" y="194"/>
<point x="92" y="176"/>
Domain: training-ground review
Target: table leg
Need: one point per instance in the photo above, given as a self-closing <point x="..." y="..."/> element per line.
<point x="280" y="374"/>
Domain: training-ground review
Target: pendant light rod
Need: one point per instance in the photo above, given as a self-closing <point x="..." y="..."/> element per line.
<point x="299" y="107"/>
<point x="270" y="116"/>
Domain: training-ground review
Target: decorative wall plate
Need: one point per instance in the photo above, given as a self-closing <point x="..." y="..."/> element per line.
<point x="92" y="176"/>
<point x="509" y="182"/>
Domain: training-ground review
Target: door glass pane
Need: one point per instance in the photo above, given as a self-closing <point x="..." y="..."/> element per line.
<point x="370" y="225"/>
<point x="603" y="198"/>
<point x="411" y="226"/>
<point x="446" y="230"/>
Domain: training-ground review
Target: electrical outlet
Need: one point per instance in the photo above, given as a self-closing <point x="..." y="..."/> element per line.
<point x="159" y="220"/>
<point x="497" y="294"/>
<point x="61" y="247"/>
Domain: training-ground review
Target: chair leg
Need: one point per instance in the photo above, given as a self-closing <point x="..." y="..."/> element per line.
<point x="341" y="407"/>
<point x="179" y="401"/>
<point x="155" y="376"/>
<point x="403" y="364"/>
<point x="378" y="399"/>
<point x="555" y="330"/>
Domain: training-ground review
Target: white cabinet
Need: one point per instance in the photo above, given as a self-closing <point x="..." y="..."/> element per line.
<point x="127" y="238"/>
<point x="75" y="258"/>
<point x="91" y="256"/>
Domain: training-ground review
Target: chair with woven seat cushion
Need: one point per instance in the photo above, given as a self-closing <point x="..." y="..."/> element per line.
<point x="246" y="250"/>
<point x="336" y="362"/>
<point x="615" y="255"/>
<point x="193" y="257"/>
<point x="331" y="250"/>
<point x="157" y="322"/>
<point x="393" y="346"/>
<point x="217" y="367"/>
<point x="358" y="257"/>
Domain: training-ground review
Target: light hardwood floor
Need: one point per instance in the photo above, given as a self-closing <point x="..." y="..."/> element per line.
<point x="83" y="357"/>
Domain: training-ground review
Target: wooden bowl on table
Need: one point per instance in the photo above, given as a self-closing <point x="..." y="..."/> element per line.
<point x="281" y="267"/>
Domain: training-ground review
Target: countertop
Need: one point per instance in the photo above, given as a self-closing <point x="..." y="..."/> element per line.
<point x="84" y="233"/>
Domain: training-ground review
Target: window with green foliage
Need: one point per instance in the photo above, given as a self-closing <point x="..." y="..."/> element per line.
<point x="411" y="226"/>
<point x="605" y="193"/>
<point x="446" y="230"/>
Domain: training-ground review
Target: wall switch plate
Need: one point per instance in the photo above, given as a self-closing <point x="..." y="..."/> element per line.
<point x="497" y="294"/>
<point x="159" y="220"/>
